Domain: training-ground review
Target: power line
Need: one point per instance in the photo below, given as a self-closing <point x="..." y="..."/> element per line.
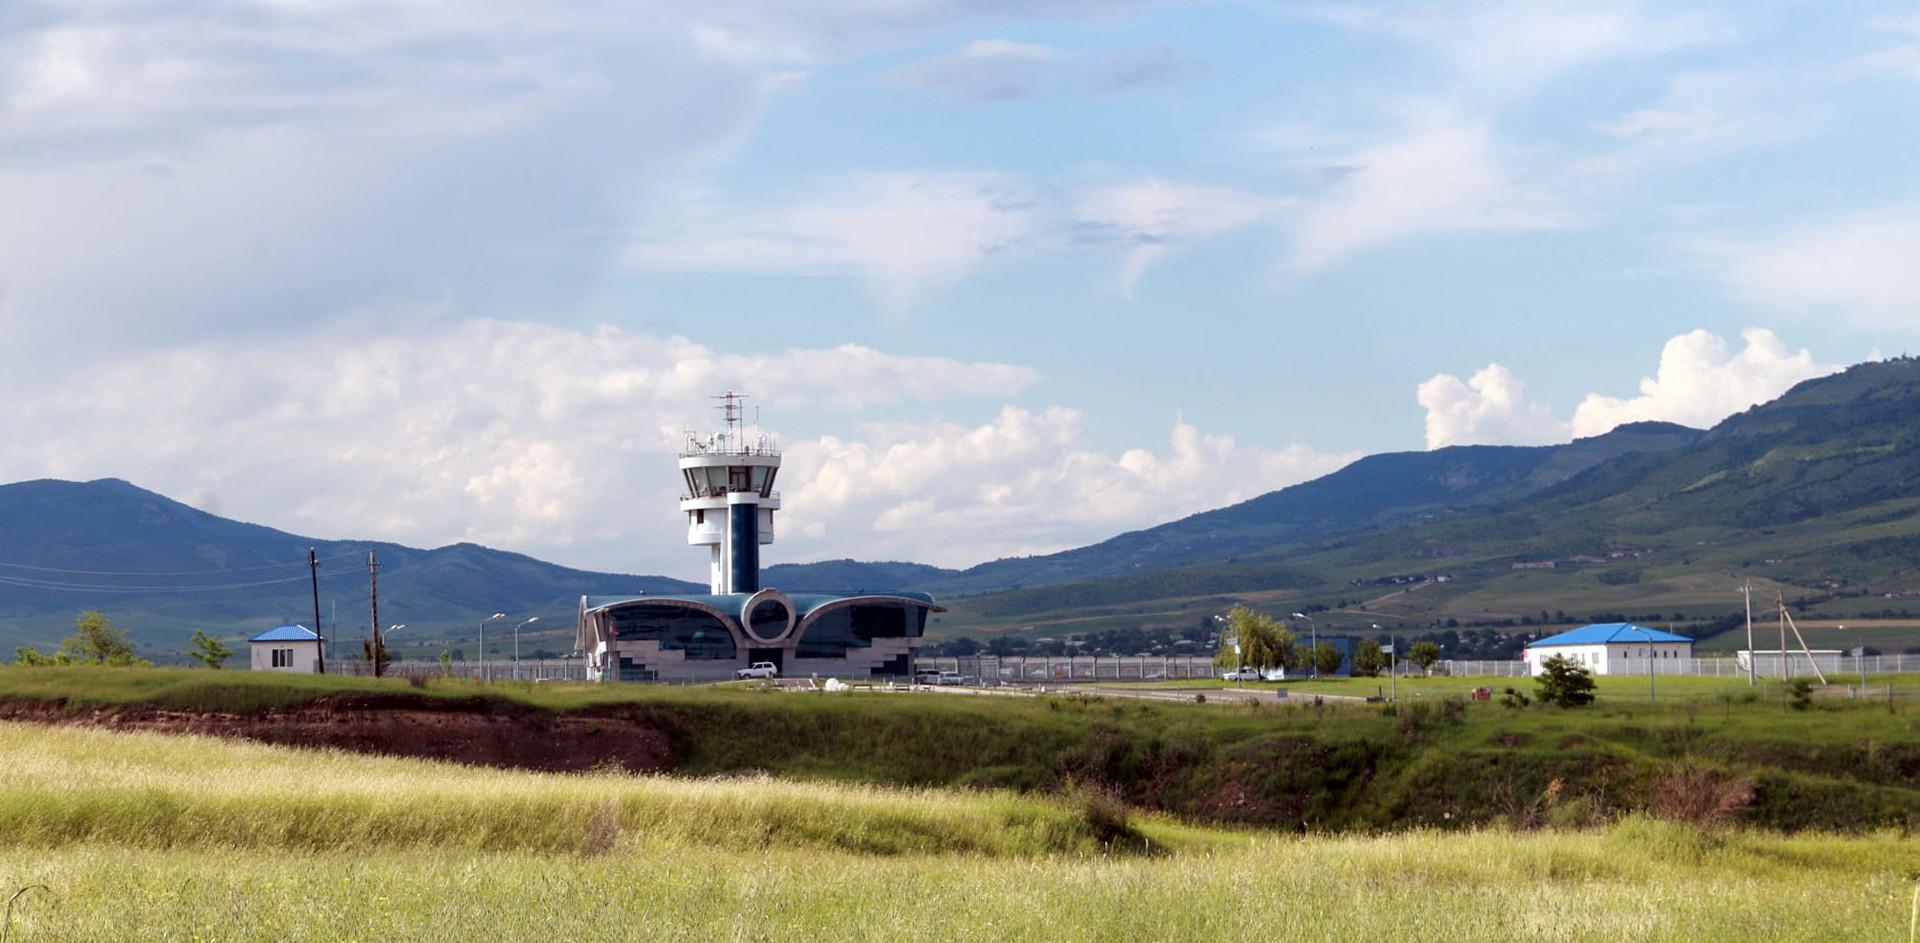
<point x="91" y="588"/>
<point x="237" y="569"/>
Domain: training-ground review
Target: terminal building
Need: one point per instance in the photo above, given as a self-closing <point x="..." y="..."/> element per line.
<point x="730" y="503"/>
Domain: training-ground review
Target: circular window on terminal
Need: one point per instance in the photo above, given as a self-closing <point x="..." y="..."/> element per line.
<point x="769" y="618"/>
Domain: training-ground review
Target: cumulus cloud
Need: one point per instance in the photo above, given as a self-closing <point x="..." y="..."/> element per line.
<point x="1701" y="381"/>
<point x="1488" y="408"/>
<point x="1858" y="264"/>
<point x="550" y="440"/>
<point x="1022" y="483"/>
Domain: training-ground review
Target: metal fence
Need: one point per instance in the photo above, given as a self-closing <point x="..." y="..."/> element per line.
<point x="1797" y="665"/>
<point x="1040" y="669"/>
<point x="559" y="669"/>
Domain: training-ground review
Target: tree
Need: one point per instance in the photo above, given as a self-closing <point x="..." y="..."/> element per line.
<point x="1263" y="642"/>
<point x="1424" y="654"/>
<point x="26" y="656"/>
<point x="208" y="651"/>
<point x="376" y="655"/>
<point x="1368" y="659"/>
<point x="1327" y="657"/>
<point x="96" y="641"/>
<point x="1564" y="684"/>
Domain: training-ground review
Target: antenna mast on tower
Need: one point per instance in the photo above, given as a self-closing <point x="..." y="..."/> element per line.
<point x="730" y="409"/>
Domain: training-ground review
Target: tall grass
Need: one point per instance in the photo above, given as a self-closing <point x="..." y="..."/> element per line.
<point x="1625" y="884"/>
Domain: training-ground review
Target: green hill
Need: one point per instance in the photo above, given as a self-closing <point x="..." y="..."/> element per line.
<point x="162" y="569"/>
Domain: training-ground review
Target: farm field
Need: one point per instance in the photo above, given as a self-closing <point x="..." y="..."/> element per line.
<point x="159" y="837"/>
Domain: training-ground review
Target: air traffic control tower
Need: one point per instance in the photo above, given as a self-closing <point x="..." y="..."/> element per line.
<point x="729" y="502"/>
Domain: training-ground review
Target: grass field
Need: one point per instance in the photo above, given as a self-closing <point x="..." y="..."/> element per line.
<point x="152" y="837"/>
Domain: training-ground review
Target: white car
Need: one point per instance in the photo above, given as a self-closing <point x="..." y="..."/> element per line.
<point x="1243" y="674"/>
<point x="759" y="669"/>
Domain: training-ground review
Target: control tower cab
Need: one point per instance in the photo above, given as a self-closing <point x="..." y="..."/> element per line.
<point x="729" y="501"/>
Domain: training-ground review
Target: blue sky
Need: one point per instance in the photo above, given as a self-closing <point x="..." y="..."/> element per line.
<point x="1004" y="278"/>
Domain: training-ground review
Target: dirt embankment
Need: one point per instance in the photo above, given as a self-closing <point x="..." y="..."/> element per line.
<point x="478" y="732"/>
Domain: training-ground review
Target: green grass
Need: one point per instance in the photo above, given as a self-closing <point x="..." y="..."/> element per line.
<point x="151" y="837"/>
<point x="1432" y="760"/>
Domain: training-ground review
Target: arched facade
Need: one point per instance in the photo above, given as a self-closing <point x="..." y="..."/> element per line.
<point x="707" y="638"/>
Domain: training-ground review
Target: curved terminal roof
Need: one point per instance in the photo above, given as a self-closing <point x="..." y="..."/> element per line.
<point x="803" y="603"/>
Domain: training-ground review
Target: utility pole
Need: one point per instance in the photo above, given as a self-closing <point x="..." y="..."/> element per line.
<point x="373" y="586"/>
<point x="313" y="564"/>
<point x="1746" y="589"/>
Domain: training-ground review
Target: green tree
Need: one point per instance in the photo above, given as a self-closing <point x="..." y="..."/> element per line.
<point x="1327" y="657"/>
<point x="96" y="641"/>
<point x="376" y="654"/>
<point x="26" y="656"/>
<point x="208" y="651"/>
<point x="1368" y="659"/>
<point x="1564" y="684"/>
<point x="1424" y="654"/>
<point x="1264" y="643"/>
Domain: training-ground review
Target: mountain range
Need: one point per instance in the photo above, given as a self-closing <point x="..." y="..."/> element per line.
<point x="1813" y="493"/>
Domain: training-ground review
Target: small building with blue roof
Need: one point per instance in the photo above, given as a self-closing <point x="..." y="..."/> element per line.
<point x="1613" y="648"/>
<point x="290" y="648"/>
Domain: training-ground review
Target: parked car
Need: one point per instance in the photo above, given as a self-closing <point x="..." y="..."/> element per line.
<point x="759" y="669"/>
<point x="927" y="676"/>
<point x="1242" y="674"/>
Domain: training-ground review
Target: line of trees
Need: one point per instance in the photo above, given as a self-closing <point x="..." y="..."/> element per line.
<point x="97" y="641"/>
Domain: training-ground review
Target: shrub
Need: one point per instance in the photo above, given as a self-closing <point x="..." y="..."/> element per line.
<point x="1698" y="795"/>
<point x="1564" y="684"/>
<point x="1799" y="694"/>
<point x="1514" y="698"/>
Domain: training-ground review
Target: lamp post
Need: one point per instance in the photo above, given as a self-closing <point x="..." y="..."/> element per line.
<point x="1314" y="631"/>
<point x="516" y="645"/>
<point x="380" y="643"/>
<point x="1859" y="652"/>
<point x="483" y="642"/>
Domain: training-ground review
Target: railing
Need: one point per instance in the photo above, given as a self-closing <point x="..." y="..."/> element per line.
<point x="1041" y="669"/>
<point x="529" y="669"/>
<point x="1797" y="666"/>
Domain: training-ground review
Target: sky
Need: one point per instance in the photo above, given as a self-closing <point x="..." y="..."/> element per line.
<point x="1001" y="278"/>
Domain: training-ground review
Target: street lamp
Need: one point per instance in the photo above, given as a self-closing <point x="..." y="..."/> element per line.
<point x="516" y="645"/>
<point x="1314" y="631"/>
<point x="483" y="642"/>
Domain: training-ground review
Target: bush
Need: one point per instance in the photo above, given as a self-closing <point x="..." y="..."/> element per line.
<point x="1514" y="698"/>
<point x="1698" y="795"/>
<point x="1564" y="684"/>
<point x="1799" y="694"/>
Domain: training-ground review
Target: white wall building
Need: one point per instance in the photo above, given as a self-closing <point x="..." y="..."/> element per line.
<point x="290" y="648"/>
<point x="1612" y="648"/>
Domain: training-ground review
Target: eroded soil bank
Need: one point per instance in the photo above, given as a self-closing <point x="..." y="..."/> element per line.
<point x="478" y="732"/>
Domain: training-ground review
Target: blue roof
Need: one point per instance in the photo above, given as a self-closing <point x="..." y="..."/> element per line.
<point x="286" y="633"/>
<point x="1606" y="632"/>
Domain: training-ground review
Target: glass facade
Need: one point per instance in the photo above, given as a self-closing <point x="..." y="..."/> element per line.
<point x="676" y="628"/>
<point x="857" y="626"/>
<point x="768" y="620"/>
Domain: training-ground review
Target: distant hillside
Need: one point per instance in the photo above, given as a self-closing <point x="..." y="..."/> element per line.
<point x="852" y="576"/>
<point x="162" y="569"/>
<point x="1815" y="494"/>
<point x="1374" y="491"/>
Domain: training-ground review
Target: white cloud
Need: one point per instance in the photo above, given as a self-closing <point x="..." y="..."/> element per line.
<point x="1442" y="174"/>
<point x="1908" y="24"/>
<point x="1510" y="47"/>
<point x="1489" y="408"/>
<point x="1153" y="217"/>
<point x="911" y="234"/>
<point x="1023" y="483"/>
<point x="1858" y="264"/>
<point x="543" y="439"/>
<point x="1701" y="381"/>
<point x="906" y="233"/>
<point x="985" y="70"/>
